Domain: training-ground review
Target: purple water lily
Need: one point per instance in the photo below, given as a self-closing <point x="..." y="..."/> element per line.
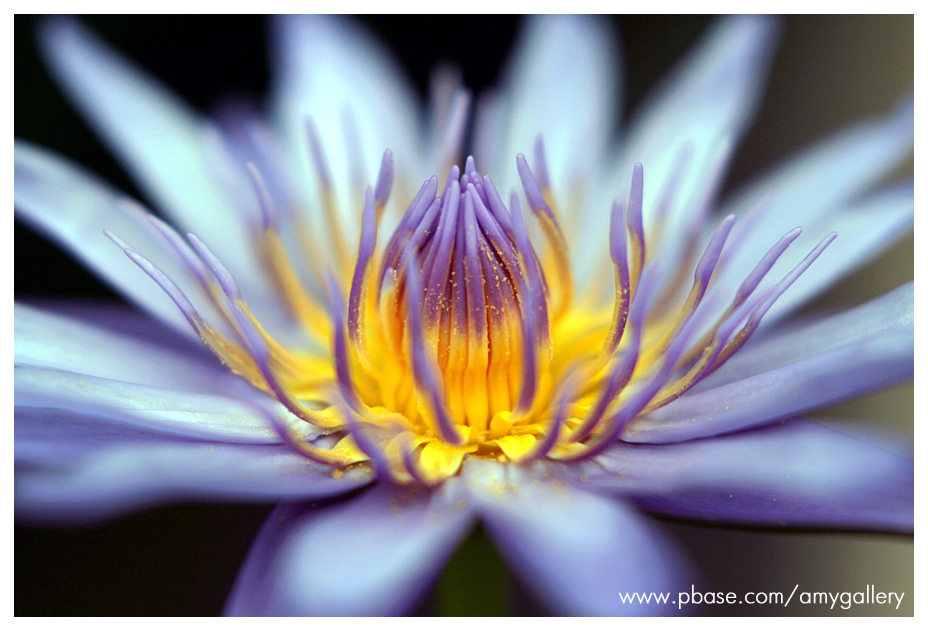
<point x="452" y="351"/>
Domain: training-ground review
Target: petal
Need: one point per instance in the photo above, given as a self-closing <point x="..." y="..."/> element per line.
<point x="826" y="177"/>
<point x="793" y="474"/>
<point x="865" y="230"/>
<point x="43" y="338"/>
<point x="580" y="553"/>
<point x="807" y="367"/>
<point x="73" y="207"/>
<point x="149" y="407"/>
<point x="173" y="154"/>
<point x="374" y="554"/>
<point x="563" y="83"/>
<point x="817" y="191"/>
<point x="888" y="315"/>
<point x="327" y="67"/>
<point x="120" y="319"/>
<point x="839" y="373"/>
<point x="74" y="469"/>
<point x="701" y="110"/>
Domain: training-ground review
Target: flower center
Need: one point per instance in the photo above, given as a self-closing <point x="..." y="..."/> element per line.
<point x="454" y="285"/>
<point x="457" y="339"/>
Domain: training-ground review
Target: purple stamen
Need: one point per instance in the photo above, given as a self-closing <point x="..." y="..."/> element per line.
<point x="408" y="223"/>
<point x="384" y="180"/>
<point x="536" y="201"/>
<point x="412" y="466"/>
<point x="710" y="258"/>
<point x="365" y="253"/>
<point x="530" y="346"/>
<point x="633" y="216"/>
<point x="458" y="310"/>
<point x="618" y="250"/>
<point x="340" y="342"/>
<point x="254" y="340"/>
<point x="473" y="278"/>
<point x="226" y="281"/>
<point x="625" y="368"/>
<point x="290" y="440"/>
<point x="741" y="306"/>
<point x="425" y="231"/>
<point x="502" y="246"/>
<point x="424" y="372"/>
<point x="454" y="175"/>
<point x="169" y="286"/>
<point x="638" y="401"/>
<point x="268" y="213"/>
<point x="763" y="266"/>
<point x="438" y="261"/>
<point x="496" y="206"/>
<point x="564" y="398"/>
<point x="367" y="446"/>
<point x="470" y="167"/>
<point x="769" y="298"/>
<point x="532" y="268"/>
<point x="181" y="248"/>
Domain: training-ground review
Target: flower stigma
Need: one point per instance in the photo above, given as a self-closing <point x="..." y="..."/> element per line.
<point x="462" y="334"/>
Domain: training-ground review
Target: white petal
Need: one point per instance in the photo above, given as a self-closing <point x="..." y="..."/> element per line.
<point x="73" y="207"/>
<point x="326" y="66"/>
<point x="172" y="152"/>
<point x="75" y="470"/>
<point x="372" y="555"/>
<point x="43" y="338"/>
<point x="701" y="110"/>
<point x="562" y="83"/>
<point x="891" y="314"/>
<point x="580" y="553"/>
<point x="839" y="373"/>
<point x="792" y="474"/>
<point x="865" y="229"/>
<point x="149" y="407"/>
<point x="827" y="176"/>
<point x="816" y="191"/>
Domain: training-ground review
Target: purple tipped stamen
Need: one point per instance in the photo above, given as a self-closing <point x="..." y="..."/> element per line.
<point x="268" y="213"/>
<point x="384" y="181"/>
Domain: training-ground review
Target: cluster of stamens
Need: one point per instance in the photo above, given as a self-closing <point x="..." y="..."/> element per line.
<point x="456" y="339"/>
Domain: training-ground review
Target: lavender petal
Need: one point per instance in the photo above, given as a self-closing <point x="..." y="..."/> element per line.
<point x="74" y="469"/>
<point x="570" y="64"/>
<point x="371" y="555"/>
<point x="325" y="65"/>
<point x="794" y="474"/>
<point x="846" y="371"/>
<point x="44" y="338"/>
<point x="176" y="412"/>
<point x="892" y="313"/>
<point x="168" y="148"/>
<point x="578" y="552"/>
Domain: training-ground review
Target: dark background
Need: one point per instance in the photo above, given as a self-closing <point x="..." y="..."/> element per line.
<point x="182" y="559"/>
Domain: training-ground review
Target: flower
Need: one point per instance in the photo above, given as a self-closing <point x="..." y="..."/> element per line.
<point x="535" y="458"/>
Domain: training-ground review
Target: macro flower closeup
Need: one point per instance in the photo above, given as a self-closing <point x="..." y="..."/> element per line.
<point x="509" y="308"/>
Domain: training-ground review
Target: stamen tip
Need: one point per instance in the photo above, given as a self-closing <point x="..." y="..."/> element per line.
<point x="469" y="165"/>
<point x="384" y="179"/>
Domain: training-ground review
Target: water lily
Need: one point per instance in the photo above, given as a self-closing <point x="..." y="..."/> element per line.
<point x="550" y="337"/>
